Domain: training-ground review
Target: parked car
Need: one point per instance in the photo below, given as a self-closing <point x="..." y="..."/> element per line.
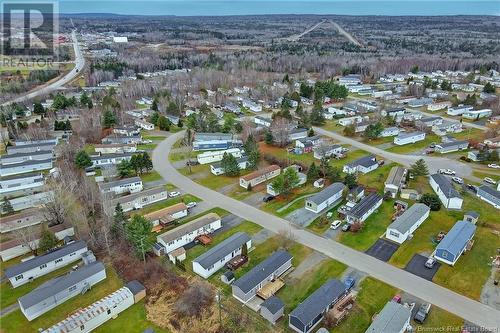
<point x="191" y="204"/>
<point x="422" y="313"/>
<point x="472" y="188"/>
<point x="430" y="262"/>
<point x="329" y="215"/>
<point x="489" y="180"/>
<point x="397" y="299"/>
<point x="335" y="224"/>
<point x="349" y="282"/>
<point x="346" y="227"/>
<point x="457" y="180"/>
<point x="432" y="145"/>
<point x="146" y="141"/>
<point x="494" y="166"/>
<point x="174" y="194"/>
<point x="192" y="162"/>
<point x="268" y="198"/>
<point x="447" y="172"/>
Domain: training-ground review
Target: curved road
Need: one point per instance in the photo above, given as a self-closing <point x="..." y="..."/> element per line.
<point x="44" y="90"/>
<point x="455" y="303"/>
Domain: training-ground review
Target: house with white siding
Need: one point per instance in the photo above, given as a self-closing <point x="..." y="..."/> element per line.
<point x="364" y="164"/>
<point x="405" y="138"/>
<point x="322" y="200"/>
<point x="38" y="266"/>
<point x="115" y="148"/>
<point x="30" y="200"/>
<point x="217" y="169"/>
<point x="406" y="224"/>
<point x="25" y="167"/>
<point x="490" y="195"/>
<point x="110" y="159"/>
<point x="217" y="155"/>
<point x="26" y="218"/>
<point x="364" y="208"/>
<point x="452" y="146"/>
<point x="395" y="180"/>
<point x="21" y="184"/>
<point x="389" y="131"/>
<point x="459" y="110"/>
<point x="262" y="121"/>
<point x="450" y="198"/>
<point x="260" y="176"/>
<point x="144" y="125"/>
<point x="138" y="200"/>
<point x="30" y="148"/>
<point x="126" y="185"/>
<point x="23" y="157"/>
<point x="477" y="114"/>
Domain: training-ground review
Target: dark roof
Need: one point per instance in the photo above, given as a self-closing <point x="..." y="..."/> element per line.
<point x="58" y="284"/>
<point x="446" y="186"/>
<point x="222" y="249"/>
<point x="264" y="269"/>
<point x="273" y="304"/>
<point x="135" y="287"/>
<point x="458" y="236"/>
<point x="40" y="260"/>
<point x="365" y="161"/>
<point x="472" y="214"/>
<point x="326" y="193"/>
<point x="317" y="302"/>
<point x="489" y="191"/>
<point x="392" y="318"/>
<point x="364" y="205"/>
<point x="27" y="162"/>
<point x="408" y="219"/>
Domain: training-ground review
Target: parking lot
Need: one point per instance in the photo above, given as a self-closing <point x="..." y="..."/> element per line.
<point x="382" y="249"/>
<point x="417" y="266"/>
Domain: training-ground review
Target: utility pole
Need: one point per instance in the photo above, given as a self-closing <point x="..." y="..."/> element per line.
<point x="219" y="305"/>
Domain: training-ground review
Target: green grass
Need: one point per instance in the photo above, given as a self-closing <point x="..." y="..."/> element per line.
<point x="151" y="177"/>
<point x="493" y="175"/>
<point x="411" y="147"/>
<point x="377" y="177"/>
<point x="89" y="148"/>
<point x="147" y="146"/>
<point x="321" y="223"/>
<point x="166" y="203"/>
<point x="152" y="137"/>
<point x="217" y="210"/>
<point x="16" y="322"/>
<point x="373" y="227"/>
<point x="468" y="133"/>
<point x="9" y="295"/>
<point x="179" y="156"/>
<point x="136" y="314"/>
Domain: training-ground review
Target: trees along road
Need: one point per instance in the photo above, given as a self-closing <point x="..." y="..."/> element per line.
<point x="466" y="308"/>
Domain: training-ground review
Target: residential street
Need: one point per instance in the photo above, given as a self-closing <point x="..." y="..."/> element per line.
<point x="459" y="305"/>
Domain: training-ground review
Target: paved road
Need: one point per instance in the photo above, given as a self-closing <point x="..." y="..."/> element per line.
<point x="455" y="303"/>
<point x="44" y="90"/>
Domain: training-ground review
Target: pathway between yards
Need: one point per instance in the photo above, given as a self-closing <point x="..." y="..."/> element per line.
<point x="279" y="210"/>
<point x="9" y="309"/>
<point x="307" y="264"/>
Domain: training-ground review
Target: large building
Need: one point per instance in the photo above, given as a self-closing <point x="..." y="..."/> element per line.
<point x="320" y="201"/>
<point x="60" y="289"/>
<point x="455" y="243"/>
<point x="399" y="230"/>
<point x="450" y="198"/>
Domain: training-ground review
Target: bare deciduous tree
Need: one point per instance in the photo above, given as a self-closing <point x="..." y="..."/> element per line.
<point x="198" y="297"/>
<point x="280" y="129"/>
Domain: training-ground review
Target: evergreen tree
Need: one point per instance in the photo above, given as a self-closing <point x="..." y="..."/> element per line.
<point x="230" y="165"/>
<point x="163" y="123"/>
<point x="154" y="118"/>
<point x="419" y="168"/>
<point x="140" y="235"/>
<point x="333" y="174"/>
<point x="146" y="162"/>
<point x="47" y="240"/>
<point x="312" y="172"/>
<point x="39" y="109"/>
<point x="286" y="182"/>
<point x="350" y="180"/>
<point x="431" y="200"/>
<point x="489" y="88"/>
<point x="349" y="130"/>
<point x="109" y="119"/>
<point x="124" y="169"/>
<point x="82" y="159"/>
<point x="180" y="124"/>
<point x="373" y="131"/>
<point x="119" y="219"/>
<point x="7" y="206"/>
<point x="268" y="137"/>
<point x="310" y="132"/>
<point x="244" y="250"/>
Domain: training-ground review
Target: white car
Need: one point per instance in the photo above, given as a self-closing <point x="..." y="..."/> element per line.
<point x="457" y="180"/>
<point x="173" y="194"/>
<point x="447" y="172"/>
<point x="489" y="180"/>
<point x="147" y="141"/>
<point x="191" y="204"/>
<point x="494" y="166"/>
<point x="335" y="224"/>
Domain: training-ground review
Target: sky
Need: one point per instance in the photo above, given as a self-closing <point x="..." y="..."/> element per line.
<point x="262" y="7"/>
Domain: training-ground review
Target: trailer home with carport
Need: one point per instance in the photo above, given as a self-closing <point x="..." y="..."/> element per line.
<point x="406" y="224"/>
<point x="320" y="201"/>
<point x="450" y="198"/>
<point x="247" y="287"/>
<point x="364" y="208"/>
<point x="455" y="243"/>
<point x="215" y="258"/>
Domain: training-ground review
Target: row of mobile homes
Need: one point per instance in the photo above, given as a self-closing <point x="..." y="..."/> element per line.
<point x="405" y="138"/>
<point x="60" y="289"/>
<point x="324" y="199"/>
<point x="260" y="176"/>
<point x="450" y="198"/>
<point x="215" y="258"/>
<point x="364" y="208"/>
<point x="217" y="155"/>
<point x="395" y="180"/>
<point x="38" y="266"/>
<point x="399" y="230"/>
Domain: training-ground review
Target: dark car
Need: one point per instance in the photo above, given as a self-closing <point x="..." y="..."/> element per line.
<point x="346" y="227"/>
<point x="422" y="313"/>
<point x="192" y="162"/>
<point x="349" y="282"/>
<point x="472" y="188"/>
<point x="268" y="198"/>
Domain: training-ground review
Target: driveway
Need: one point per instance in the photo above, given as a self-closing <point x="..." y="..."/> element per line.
<point x="417" y="267"/>
<point x="301" y="217"/>
<point x="453" y="302"/>
<point x="382" y="249"/>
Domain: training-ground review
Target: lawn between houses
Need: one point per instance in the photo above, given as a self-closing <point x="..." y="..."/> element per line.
<point x="412" y="147"/>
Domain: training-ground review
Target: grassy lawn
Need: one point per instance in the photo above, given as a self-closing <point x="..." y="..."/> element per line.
<point x="493" y="175"/>
<point x="411" y="147"/>
<point x="321" y="224"/>
<point x="298" y="198"/>
<point x="151" y="177"/>
<point x="89" y="148"/>
<point x="136" y="314"/>
<point x="468" y="133"/>
<point x="152" y="137"/>
<point x="282" y="154"/>
<point x="179" y="156"/>
<point x="376" y="178"/>
<point x="373" y="228"/>
<point x="166" y="203"/>
<point x="215" y="182"/>
<point x="147" y="146"/>
<point x="16" y="322"/>
<point x="351" y="156"/>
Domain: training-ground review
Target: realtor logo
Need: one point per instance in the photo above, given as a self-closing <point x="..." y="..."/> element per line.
<point x="29" y="28"/>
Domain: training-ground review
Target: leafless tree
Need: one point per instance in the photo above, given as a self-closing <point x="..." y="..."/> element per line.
<point x="286" y="238"/>
<point x="280" y="129"/>
<point x="28" y="237"/>
<point x="198" y="297"/>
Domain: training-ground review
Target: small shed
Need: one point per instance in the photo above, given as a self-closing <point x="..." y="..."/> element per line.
<point x="137" y="289"/>
<point x="272" y="309"/>
<point x="227" y="277"/>
<point x="471" y="217"/>
<point x="177" y="255"/>
<point x="88" y="257"/>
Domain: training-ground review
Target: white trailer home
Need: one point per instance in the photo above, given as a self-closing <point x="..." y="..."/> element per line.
<point x="126" y="185"/>
<point x="322" y="200"/>
<point x="217" y="169"/>
<point x="406" y="224"/>
<point x="450" y="198"/>
<point x="25" y="167"/>
<point x="216" y="156"/>
<point x="405" y="138"/>
<point x="21" y="184"/>
<point x="138" y="200"/>
<point x="459" y="110"/>
<point x="260" y="176"/>
<point x="477" y="114"/>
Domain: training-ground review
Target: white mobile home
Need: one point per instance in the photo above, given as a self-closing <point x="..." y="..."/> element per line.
<point x="395" y="180"/>
<point x="216" y="156"/>
<point x="144" y="125"/>
<point x="477" y="114"/>
<point x="217" y="169"/>
<point x="260" y="176"/>
<point x="110" y="159"/>
<point x="450" y="198"/>
<point x="399" y="230"/>
<point x="139" y="200"/>
<point x="25" y="167"/>
<point x="21" y="220"/>
<point x="21" y="184"/>
<point x="322" y="200"/>
<point x="459" y="110"/>
<point x="168" y="214"/>
<point x="405" y="138"/>
<point x="364" y="164"/>
<point x="364" y="208"/>
<point x="126" y="185"/>
<point x="389" y="131"/>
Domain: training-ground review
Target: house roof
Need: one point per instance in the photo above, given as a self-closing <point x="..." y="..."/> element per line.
<point x="317" y="302"/>
<point x="58" y="284"/>
<point x="212" y="136"/>
<point x="489" y="192"/>
<point x="34" y="153"/>
<point x="298" y="130"/>
<point x="365" y="161"/>
<point x="473" y="214"/>
<point x="135" y="287"/>
<point x="263" y="270"/>
<point x="404" y="222"/>
<point x="166" y="212"/>
<point x="458" y="236"/>
<point x="27" y="163"/>
<point x="273" y="304"/>
<point x="222" y="249"/>
<point x="261" y="172"/>
<point x="42" y="146"/>
<point x="43" y="259"/>
<point x="110" y="156"/>
<point x="133" y="196"/>
<point x="392" y="318"/>
<point x="186" y="228"/>
<point x="364" y="205"/>
<point x="453" y="144"/>
<point x="446" y="186"/>
<point x="326" y="193"/>
<point x="395" y="176"/>
<point x="16" y="242"/>
<point x="406" y="135"/>
<point x="125" y="181"/>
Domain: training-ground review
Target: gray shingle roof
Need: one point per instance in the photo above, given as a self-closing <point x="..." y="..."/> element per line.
<point x="404" y="222"/>
<point x="395" y="175"/>
<point x="108" y="156"/>
<point x="456" y="239"/>
<point x="488" y="191"/>
<point x="326" y="193"/>
<point x="405" y="135"/>
<point x="222" y="249"/>
<point x="264" y="269"/>
<point x="27" y="163"/>
<point x="392" y="318"/>
<point x="40" y="260"/>
<point x="453" y="144"/>
<point x="364" y="205"/>
<point x="135" y="287"/>
<point x="133" y="196"/>
<point x="188" y="227"/>
<point x="446" y="186"/>
<point x="317" y="302"/>
<point x="365" y="161"/>
<point x="273" y="304"/>
<point x="59" y="284"/>
<point x="107" y="186"/>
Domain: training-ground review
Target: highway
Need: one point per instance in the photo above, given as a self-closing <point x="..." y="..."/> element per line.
<point x="47" y="89"/>
<point x="473" y="311"/>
